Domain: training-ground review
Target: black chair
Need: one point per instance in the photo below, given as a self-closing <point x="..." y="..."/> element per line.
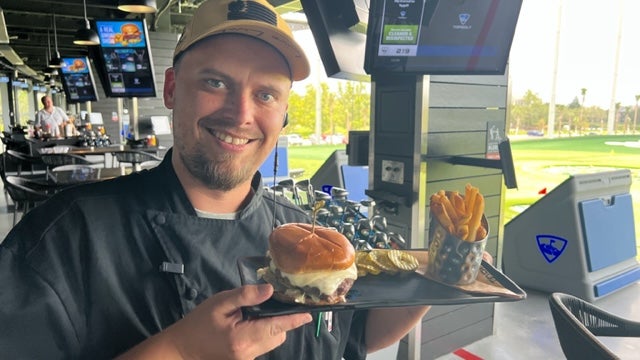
<point x="59" y="159"/>
<point x="26" y="193"/>
<point x="578" y="322"/>
<point x="135" y="158"/>
<point x="23" y="160"/>
<point x="3" y="175"/>
<point x="149" y="164"/>
<point x="78" y="167"/>
<point x="12" y="141"/>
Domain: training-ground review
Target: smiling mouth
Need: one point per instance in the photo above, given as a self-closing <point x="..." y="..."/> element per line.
<point x="226" y="138"/>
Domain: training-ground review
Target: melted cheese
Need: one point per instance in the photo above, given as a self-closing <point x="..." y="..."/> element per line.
<point x="326" y="281"/>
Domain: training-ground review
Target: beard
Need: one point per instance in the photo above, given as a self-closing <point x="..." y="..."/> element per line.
<point x="220" y="173"/>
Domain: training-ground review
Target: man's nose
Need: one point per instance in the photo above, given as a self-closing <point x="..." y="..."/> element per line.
<point x="241" y="107"/>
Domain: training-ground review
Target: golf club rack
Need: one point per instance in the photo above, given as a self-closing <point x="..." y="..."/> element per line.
<point x="337" y="211"/>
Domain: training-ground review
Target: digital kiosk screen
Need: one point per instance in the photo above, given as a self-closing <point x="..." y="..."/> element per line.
<point x="126" y="58"/>
<point x="446" y="37"/>
<point x="77" y="80"/>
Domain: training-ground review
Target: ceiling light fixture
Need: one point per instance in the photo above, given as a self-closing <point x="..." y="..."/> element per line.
<point x="49" y="70"/>
<point x="138" y="6"/>
<point x="86" y="35"/>
<point x="55" y="61"/>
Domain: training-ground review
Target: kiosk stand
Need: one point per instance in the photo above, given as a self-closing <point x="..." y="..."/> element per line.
<point x="578" y="239"/>
<point x="398" y="172"/>
<point x="429" y="113"/>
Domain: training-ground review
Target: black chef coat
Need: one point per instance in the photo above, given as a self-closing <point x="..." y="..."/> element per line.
<point x="80" y="274"/>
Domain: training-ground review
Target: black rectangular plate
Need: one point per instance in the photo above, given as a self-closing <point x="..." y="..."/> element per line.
<point x="377" y="291"/>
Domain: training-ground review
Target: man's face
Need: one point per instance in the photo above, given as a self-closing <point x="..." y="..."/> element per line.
<point x="47" y="102"/>
<point x="229" y="96"/>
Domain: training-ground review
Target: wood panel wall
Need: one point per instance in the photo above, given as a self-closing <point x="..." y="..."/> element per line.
<point x="459" y="109"/>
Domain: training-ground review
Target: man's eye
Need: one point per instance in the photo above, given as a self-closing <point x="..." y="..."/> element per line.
<point x="216" y="84"/>
<point x="266" y="97"/>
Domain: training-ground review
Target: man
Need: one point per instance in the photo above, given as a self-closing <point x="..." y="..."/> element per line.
<point x="50" y="119"/>
<point x="144" y="266"/>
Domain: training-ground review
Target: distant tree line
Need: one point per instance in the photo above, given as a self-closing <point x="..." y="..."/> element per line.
<point x="530" y="113"/>
<point x="347" y="108"/>
<point x="341" y="110"/>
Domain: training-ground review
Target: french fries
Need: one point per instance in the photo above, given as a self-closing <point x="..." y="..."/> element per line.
<point x="461" y="216"/>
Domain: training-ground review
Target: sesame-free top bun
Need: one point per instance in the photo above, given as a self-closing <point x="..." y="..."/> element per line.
<point x="294" y="249"/>
<point x="129" y="28"/>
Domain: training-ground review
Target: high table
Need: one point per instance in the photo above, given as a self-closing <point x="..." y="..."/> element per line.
<point x="103" y="150"/>
<point x="85" y="174"/>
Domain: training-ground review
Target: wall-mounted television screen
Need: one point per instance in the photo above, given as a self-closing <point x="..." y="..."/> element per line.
<point x="77" y="80"/>
<point x="340" y="36"/>
<point x="125" y="58"/>
<point x="448" y="37"/>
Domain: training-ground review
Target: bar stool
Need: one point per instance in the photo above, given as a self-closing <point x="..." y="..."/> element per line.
<point x="135" y="158"/>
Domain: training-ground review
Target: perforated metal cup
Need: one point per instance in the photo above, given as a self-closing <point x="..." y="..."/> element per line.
<point x="453" y="260"/>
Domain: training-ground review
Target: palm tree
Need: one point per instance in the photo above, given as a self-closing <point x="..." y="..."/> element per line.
<point x="635" y="114"/>
<point x="583" y="92"/>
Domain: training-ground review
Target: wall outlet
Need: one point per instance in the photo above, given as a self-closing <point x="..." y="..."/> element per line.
<point x="393" y="172"/>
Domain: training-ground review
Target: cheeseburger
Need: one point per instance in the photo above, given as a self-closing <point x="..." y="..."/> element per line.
<point x="130" y="32"/>
<point x="305" y="267"/>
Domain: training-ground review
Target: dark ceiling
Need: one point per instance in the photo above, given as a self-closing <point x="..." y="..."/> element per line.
<point x="30" y="27"/>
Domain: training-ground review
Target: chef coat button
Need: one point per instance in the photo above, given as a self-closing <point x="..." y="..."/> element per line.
<point x="192" y="293"/>
<point x="161" y="219"/>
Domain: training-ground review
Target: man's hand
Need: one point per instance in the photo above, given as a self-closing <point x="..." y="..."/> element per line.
<point x="215" y="329"/>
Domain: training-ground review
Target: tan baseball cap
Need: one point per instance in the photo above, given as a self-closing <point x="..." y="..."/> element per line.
<point x="255" y="18"/>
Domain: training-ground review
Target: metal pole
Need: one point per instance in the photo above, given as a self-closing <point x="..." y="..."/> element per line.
<point x="120" y="110"/>
<point x="611" y="119"/>
<point x="134" y="117"/>
<point x="318" y="127"/>
<point x="551" y="121"/>
<point x="635" y="115"/>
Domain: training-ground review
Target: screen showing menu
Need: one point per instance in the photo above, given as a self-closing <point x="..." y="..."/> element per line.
<point x="440" y="36"/>
<point x="126" y="58"/>
<point x="77" y="80"/>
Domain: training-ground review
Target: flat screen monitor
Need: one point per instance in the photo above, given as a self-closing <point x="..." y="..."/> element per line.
<point x="448" y="37"/>
<point x="125" y="58"/>
<point x="95" y="118"/>
<point x="161" y="124"/>
<point x="339" y="35"/>
<point x="356" y="181"/>
<point x="330" y="172"/>
<point x="358" y="147"/>
<point x="77" y="80"/>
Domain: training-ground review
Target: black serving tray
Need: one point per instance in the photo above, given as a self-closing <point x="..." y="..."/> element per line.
<point x="378" y="291"/>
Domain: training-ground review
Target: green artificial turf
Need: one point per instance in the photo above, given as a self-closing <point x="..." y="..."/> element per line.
<point x="541" y="164"/>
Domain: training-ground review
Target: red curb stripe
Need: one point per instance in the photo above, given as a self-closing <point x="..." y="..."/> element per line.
<point x="466" y="355"/>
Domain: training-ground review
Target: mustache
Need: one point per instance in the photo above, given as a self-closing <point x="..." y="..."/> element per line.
<point x="229" y="127"/>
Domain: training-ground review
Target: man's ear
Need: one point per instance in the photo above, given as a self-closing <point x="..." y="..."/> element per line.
<point x="169" y="87"/>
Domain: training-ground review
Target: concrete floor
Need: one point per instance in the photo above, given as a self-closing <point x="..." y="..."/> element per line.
<point x="522" y="330"/>
<point x="525" y="330"/>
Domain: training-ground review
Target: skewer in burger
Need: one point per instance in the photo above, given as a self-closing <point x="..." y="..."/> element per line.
<point x="313" y="267"/>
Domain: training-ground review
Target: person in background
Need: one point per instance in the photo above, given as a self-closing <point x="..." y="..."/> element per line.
<point x="145" y="266"/>
<point x="50" y="119"/>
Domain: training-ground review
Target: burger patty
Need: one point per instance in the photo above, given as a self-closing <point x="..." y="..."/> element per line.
<point x="282" y="284"/>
